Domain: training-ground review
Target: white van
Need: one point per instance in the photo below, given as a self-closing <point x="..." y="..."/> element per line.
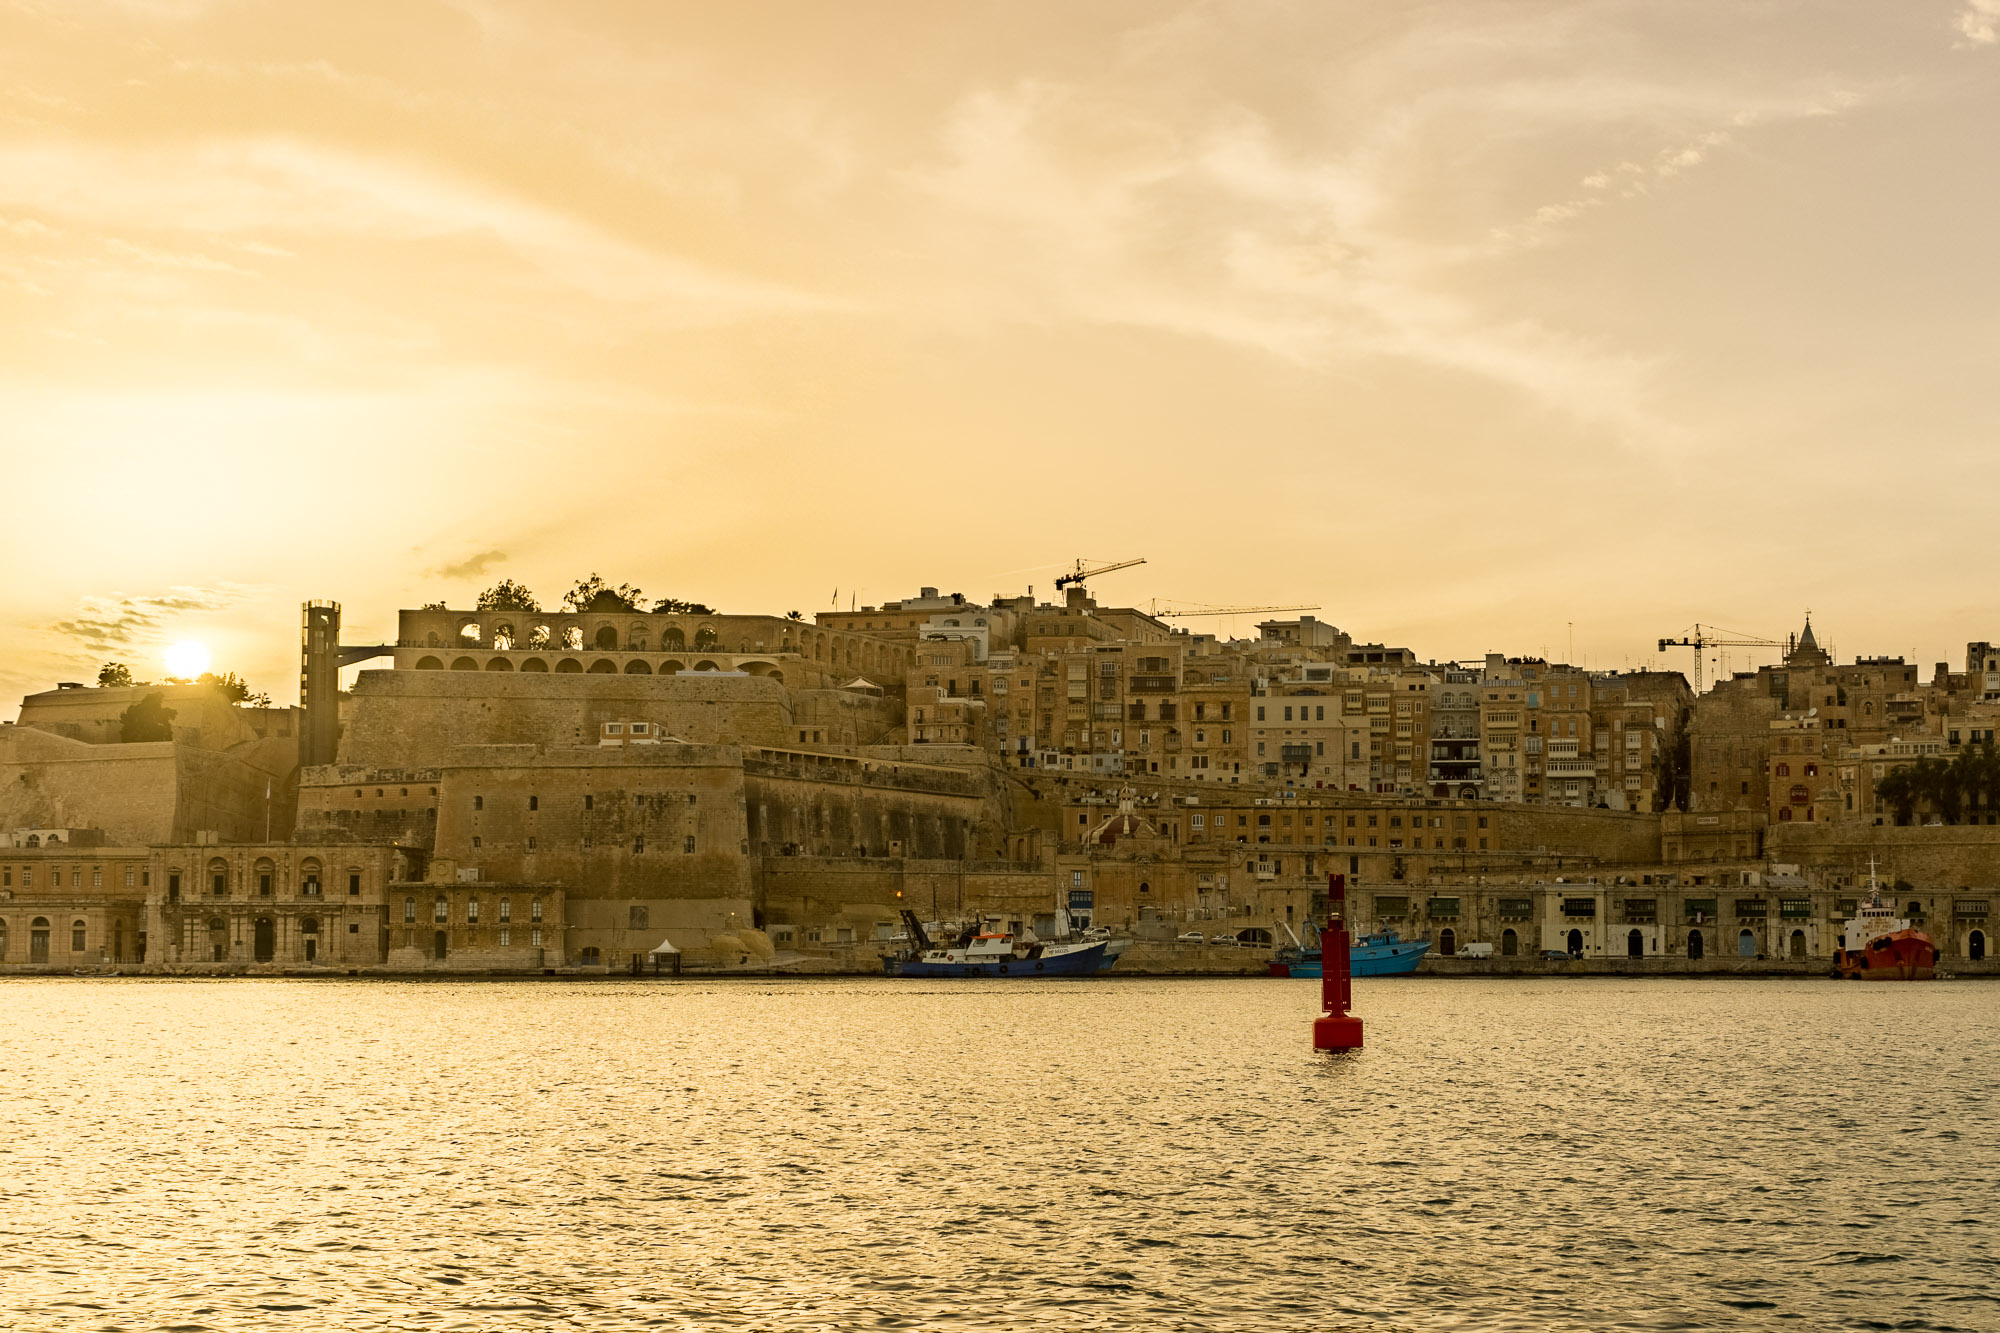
<point x="1475" y="950"/>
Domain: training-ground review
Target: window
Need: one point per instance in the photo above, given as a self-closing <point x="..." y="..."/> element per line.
<point x="354" y="884"/>
<point x="476" y="843"/>
<point x="472" y="911"/>
<point x="535" y="910"/>
<point x="531" y="844"/>
<point x="97" y="877"/>
<point x="689" y="845"/>
<point x="534" y="802"/>
<point x="479" y="803"/>
<point x="506" y="909"/>
<point x="589" y="802"/>
<point x="504" y="937"/>
<point x="638" y="843"/>
<point x="76" y="937"/>
<point x="441" y="909"/>
<point x="535" y="938"/>
<point x="409" y="909"/>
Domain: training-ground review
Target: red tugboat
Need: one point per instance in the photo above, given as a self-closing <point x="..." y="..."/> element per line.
<point x="1881" y="946"/>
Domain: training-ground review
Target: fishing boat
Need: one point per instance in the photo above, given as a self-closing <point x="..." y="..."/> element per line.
<point x="1878" y="945"/>
<point x="1384" y="954"/>
<point x="995" y="953"/>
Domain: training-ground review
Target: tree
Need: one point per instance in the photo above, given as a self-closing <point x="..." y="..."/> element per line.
<point x="793" y="615"/>
<point x="674" y="606"/>
<point x="234" y="688"/>
<point x="116" y="674"/>
<point x="594" y="594"/>
<point x="434" y="606"/>
<point x="507" y="595"/>
<point x="148" y="720"/>
<point x="1900" y="789"/>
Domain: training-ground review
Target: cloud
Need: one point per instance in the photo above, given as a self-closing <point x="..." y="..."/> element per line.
<point x="103" y="624"/>
<point x="1979" y="23"/>
<point x="471" y="567"/>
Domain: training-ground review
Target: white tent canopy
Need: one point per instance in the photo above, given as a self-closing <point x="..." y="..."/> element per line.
<point x="664" y="946"/>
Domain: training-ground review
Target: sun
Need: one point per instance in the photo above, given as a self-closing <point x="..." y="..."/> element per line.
<point x="186" y="660"/>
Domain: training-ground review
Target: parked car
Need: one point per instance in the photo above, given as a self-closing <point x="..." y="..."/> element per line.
<point x="1192" y="937"/>
<point x="1554" y="956"/>
<point x="1225" y="941"/>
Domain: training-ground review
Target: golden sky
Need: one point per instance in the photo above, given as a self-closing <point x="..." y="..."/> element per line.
<point x="1471" y="321"/>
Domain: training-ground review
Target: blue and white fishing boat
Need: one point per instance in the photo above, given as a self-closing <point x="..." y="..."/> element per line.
<point x="976" y="953"/>
<point x="1385" y="954"/>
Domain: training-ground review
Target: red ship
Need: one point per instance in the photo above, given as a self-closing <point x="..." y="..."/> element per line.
<point x="1881" y="946"/>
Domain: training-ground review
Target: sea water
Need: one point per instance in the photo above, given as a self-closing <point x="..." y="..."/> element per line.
<point x="1589" y="1153"/>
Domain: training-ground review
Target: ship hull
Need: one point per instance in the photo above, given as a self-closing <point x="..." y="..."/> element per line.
<point x="1074" y="963"/>
<point x="1364" y="960"/>
<point x="1906" y="955"/>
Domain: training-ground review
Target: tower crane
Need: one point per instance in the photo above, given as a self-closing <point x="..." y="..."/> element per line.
<point x="1235" y="610"/>
<point x="1084" y="571"/>
<point x="1699" y="637"/>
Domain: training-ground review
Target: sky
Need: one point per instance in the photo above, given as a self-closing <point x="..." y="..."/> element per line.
<point x="1532" y="326"/>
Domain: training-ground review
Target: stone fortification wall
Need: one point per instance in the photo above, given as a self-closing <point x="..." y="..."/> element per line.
<point x="203" y="715"/>
<point x="156" y="791"/>
<point x="647" y="824"/>
<point x="1612" y="837"/>
<point x="844" y="717"/>
<point x="416" y="719"/>
<point x="801" y="894"/>
<point x="816" y="804"/>
<point x="1942" y="857"/>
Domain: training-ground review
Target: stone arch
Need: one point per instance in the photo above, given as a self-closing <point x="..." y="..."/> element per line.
<point x="672" y="667"/>
<point x="568" y="666"/>
<point x="705" y="637"/>
<point x="1746" y="943"/>
<point x="38" y="940"/>
<point x="776" y="675"/>
<point x="673" y="641"/>
<point x="464" y="664"/>
<point x="606" y="638"/>
<point x="1798" y="943"/>
<point x="572" y="637"/>
<point x="429" y="664"/>
<point x="1510" y="943"/>
<point x="432" y="640"/>
<point x="603" y="666"/>
<point x="706" y="665"/>
<point x="1575" y="942"/>
<point x="1447" y="941"/>
<point x="637" y="667"/>
<point x="469" y="633"/>
<point x="264" y="939"/>
<point x="535" y="664"/>
<point x="503" y="637"/>
<point x="1468" y="793"/>
<point x="499" y="664"/>
<point x="1975" y="945"/>
<point x="1694" y="944"/>
<point x="539" y="637"/>
<point x="635" y="638"/>
<point x="1635" y="944"/>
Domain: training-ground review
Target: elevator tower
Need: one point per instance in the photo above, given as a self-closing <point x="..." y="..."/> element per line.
<point x="319" y="682"/>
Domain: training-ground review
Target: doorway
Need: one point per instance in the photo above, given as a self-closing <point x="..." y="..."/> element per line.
<point x="1798" y="944"/>
<point x="1635" y="945"/>
<point x="1975" y="947"/>
<point x="1510" y="943"/>
<point x="1746" y="943"/>
<point x="439" y="941"/>
<point x="1694" y="945"/>
<point x="1447" y="941"/>
<point x="38" y="940"/>
<point x="1576" y="944"/>
<point x="265" y="943"/>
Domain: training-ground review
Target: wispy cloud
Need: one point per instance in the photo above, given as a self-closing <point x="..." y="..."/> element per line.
<point x="471" y="567"/>
<point x="116" y="620"/>
<point x="1978" y="23"/>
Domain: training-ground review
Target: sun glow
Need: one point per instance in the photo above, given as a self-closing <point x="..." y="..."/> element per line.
<point x="185" y="661"/>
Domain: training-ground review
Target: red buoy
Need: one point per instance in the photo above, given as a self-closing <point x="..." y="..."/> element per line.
<point x="1336" y="1029"/>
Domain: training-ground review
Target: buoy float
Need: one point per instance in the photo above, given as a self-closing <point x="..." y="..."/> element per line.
<point x="1336" y="1029"/>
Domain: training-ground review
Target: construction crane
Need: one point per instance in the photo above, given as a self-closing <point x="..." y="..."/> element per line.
<point x="1235" y="610"/>
<point x="1699" y="637"/>
<point x="1084" y="571"/>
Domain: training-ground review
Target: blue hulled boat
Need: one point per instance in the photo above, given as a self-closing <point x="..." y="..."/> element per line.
<point x="1385" y="954"/>
<point x="993" y="954"/>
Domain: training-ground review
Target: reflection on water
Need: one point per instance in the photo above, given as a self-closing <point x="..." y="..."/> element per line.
<point x="997" y="1155"/>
